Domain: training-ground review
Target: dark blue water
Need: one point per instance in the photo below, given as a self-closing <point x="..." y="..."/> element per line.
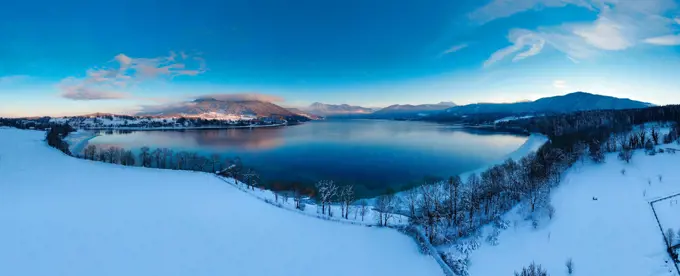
<point x="373" y="155"/>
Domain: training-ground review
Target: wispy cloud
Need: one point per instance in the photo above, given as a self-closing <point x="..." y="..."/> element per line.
<point x="620" y="24"/>
<point x="498" y="9"/>
<point x="123" y="72"/>
<point x="560" y="84"/>
<point x="520" y="39"/>
<point x="455" y="48"/>
<point x="666" y="40"/>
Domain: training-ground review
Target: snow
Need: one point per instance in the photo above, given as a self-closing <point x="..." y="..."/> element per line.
<point x="668" y="211"/>
<point x="78" y="139"/>
<point x="617" y="234"/>
<point x="314" y="210"/>
<point x="512" y="118"/>
<point x="79" y="217"/>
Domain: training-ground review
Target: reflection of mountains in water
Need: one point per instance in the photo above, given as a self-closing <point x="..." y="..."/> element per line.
<point x="239" y="138"/>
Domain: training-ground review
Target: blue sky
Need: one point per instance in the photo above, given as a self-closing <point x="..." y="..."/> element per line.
<point x="86" y="56"/>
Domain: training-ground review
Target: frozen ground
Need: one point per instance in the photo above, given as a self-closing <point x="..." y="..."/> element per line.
<point x="616" y="234"/>
<point x="66" y="216"/>
<point x="668" y="211"/>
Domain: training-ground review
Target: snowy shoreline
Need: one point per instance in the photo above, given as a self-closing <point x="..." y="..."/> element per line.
<point x="180" y="128"/>
<point x="532" y="144"/>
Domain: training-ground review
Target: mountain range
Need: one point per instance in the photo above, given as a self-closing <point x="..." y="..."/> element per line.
<point x="407" y="110"/>
<point x="322" y="109"/>
<point x="577" y="101"/>
<point x="210" y="108"/>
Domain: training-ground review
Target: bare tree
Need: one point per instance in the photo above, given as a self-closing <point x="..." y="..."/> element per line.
<point x="412" y="197"/>
<point x="626" y="155"/>
<point x="385" y="206"/>
<point x="327" y="191"/>
<point x="297" y="196"/>
<point x="90" y="152"/>
<point x="251" y="178"/>
<point x="532" y="270"/>
<point x="215" y="160"/>
<point x="145" y="157"/>
<point x="570" y="266"/>
<point x="363" y="208"/>
<point x="157" y="156"/>
<point x="670" y="237"/>
<point x="346" y="199"/>
<point x="453" y="189"/>
<point x="655" y="135"/>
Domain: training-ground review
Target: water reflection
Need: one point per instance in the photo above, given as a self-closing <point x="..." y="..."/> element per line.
<point x="372" y="155"/>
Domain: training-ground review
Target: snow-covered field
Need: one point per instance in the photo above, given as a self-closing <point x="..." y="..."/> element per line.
<point x="616" y="234"/>
<point x="668" y="211"/>
<point x="66" y="216"/>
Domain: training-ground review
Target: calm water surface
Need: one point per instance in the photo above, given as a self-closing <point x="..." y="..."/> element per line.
<point x="373" y="155"/>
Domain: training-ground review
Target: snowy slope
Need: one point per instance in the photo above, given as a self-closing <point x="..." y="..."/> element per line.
<point x="65" y="216"/>
<point x="616" y="234"/>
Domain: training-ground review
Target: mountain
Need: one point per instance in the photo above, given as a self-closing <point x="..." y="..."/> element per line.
<point x="577" y="101"/>
<point x="210" y="108"/>
<point x="407" y="110"/>
<point x="323" y="109"/>
<point x="304" y="114"/>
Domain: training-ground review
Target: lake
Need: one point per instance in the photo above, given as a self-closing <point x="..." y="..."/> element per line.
<point x="373" y="155"/>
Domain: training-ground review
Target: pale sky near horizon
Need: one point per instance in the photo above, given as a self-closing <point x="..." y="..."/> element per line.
<point x="81" y="57"/>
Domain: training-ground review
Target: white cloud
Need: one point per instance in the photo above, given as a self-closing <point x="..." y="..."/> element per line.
<point x="666" y="40"/>
<point x="560" y="84"/>
<point x="620" y="24"/>
<point x="604" y="34"/>
<point x="498" y="9"/>
<point x="455" y="48"/>
<point x="106" y="83"/>
<point x="520" y="39"/>
<point x="677" y="20"/>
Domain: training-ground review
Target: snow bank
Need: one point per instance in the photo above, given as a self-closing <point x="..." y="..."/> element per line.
<point x="67" y="216"/>
<point x="616" y="234"/>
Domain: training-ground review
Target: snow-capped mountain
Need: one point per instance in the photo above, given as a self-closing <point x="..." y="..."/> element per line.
<point x="210" y="108"/>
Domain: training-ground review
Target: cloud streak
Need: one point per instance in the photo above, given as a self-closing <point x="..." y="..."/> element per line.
<point x="454" y="49"/>
<point x="620" y="25"/>
<point x="123" y="72"/>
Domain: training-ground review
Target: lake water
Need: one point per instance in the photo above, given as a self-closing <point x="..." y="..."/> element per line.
<point x="373" y="155"/>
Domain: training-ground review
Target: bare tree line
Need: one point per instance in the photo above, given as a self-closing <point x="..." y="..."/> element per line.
<point x="162" y="158"/>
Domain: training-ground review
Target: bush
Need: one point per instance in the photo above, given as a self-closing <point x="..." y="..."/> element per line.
<point x="457" y="262"/>
<point x="570" y="266"/>
<point x="532" y="270"/>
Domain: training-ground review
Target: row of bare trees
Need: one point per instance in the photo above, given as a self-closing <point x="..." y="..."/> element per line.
<point x="162" y="158"/>
<point x="454" y="208"/>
